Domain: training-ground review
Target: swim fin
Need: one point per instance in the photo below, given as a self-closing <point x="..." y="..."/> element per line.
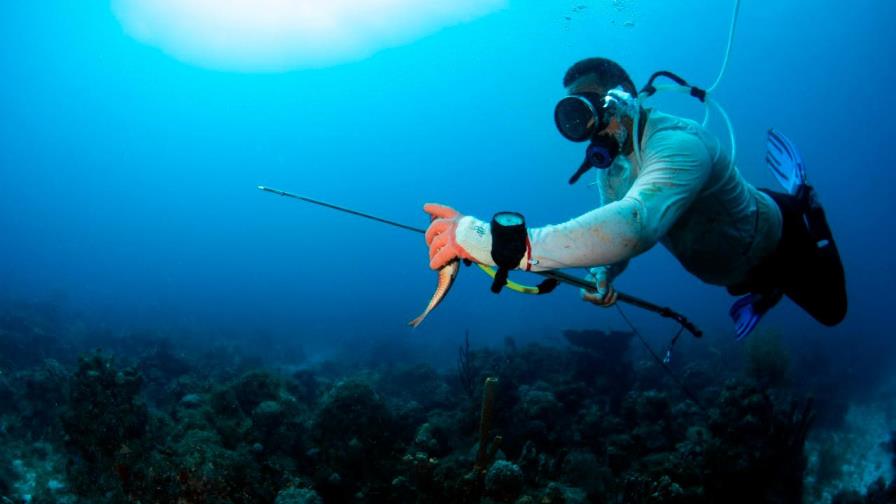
<point x="785" y="162"/>
<point x="747" y="311"/>
<point x="787" y="165"/>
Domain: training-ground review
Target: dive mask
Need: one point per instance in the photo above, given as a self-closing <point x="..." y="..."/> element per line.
<point x="582" y="116"/>
<point x="578" y="116"/>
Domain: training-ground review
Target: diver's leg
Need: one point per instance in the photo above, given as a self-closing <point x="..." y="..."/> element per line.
<point x="807" y="264"/>
<point x="810" y="271"/>
<point x="817" y="282"/>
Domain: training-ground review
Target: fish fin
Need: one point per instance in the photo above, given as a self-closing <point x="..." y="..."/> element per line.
<point x="417" y="321"/>
<point x="785" y="162"/>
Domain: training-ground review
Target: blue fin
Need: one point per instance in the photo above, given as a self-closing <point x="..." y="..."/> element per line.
<point x="745" y="317"/>
<point x="748" y="310"/>
<point x="785" y="162"/>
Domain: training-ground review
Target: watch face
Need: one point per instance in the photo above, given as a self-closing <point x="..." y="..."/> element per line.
<point x="507" y="219"/>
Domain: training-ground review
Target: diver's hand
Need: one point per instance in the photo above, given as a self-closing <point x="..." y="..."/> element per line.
<point x="606" y="295"/>
<point x="441" y="235"/>
<point x="452" y="235"/>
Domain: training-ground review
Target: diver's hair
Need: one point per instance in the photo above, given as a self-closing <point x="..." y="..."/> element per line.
<point x="608" y="74"/>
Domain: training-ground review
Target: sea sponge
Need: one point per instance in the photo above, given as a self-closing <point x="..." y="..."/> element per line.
<point x="268" y="416"/>
<point x="504" y="481"/>
<point x="355" y="432"/>
<point x="487" y="448"/>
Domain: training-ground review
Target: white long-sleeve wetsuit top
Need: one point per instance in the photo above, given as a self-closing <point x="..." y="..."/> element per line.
<point x="687" y="196"/>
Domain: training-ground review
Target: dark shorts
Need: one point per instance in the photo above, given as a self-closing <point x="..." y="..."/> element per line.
<point x="810" y="275"/>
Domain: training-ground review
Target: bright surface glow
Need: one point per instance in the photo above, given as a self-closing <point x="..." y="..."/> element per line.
<point x="271" y="35"/>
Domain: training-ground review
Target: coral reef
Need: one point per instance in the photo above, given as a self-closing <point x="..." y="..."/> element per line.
<point x="584" y="421"/>
<point x="756" y="440"/>
<point x="504" y="481"/>
<point x="356" y="439"/>
<point x="877" y="491"/>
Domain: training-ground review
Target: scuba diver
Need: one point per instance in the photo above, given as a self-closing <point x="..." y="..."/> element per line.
<point x="670" y="183"/>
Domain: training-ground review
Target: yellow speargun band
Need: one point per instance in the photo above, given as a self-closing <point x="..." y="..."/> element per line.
<point x="542" y="288"/>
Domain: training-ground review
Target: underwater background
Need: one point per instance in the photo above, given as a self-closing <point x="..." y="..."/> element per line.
<point x="133" y="236"/>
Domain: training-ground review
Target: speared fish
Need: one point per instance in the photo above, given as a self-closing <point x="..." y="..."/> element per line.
<point x="447" y="274"/>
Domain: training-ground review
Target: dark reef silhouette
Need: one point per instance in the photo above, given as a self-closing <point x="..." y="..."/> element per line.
<point x="588" y="420"/>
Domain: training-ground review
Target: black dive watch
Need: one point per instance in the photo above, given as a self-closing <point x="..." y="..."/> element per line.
<point x="509" y="244"/>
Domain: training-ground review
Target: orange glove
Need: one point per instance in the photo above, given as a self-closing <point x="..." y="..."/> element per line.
<point x="441" y="236"/>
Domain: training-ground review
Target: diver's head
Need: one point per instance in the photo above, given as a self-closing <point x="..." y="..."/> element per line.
<point x="597" y="75"/>
<point x="600" y="108"/>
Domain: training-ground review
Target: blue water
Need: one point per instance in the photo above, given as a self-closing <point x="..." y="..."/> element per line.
<point x="127" y="175"/>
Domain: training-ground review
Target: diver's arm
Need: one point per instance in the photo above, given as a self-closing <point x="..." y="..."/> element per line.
<point x="676" y="165"/>
<point x="614" y="220"/>
<point x="606" y="235"/>
<point x="607" y="194"/>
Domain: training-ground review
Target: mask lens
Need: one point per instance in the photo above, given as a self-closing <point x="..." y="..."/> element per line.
<point x="576" y="118"/>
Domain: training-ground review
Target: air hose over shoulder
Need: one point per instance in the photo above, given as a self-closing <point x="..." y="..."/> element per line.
<point x="682" y="86"/>
<point x="704" y="95"/>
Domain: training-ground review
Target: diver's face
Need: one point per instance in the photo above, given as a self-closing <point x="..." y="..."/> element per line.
<point x="586" y="85"/>
<point x="614" y="127"/>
